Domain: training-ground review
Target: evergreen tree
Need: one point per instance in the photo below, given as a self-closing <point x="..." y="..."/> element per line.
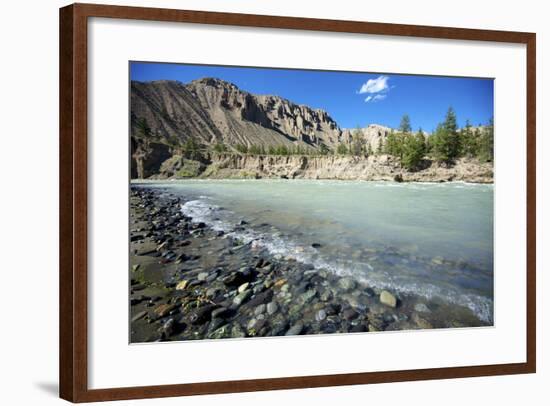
<point x="357" y="142"/>
<point x="421" y="139"/>
<point x="468" y="142"/>
<point x="394" y="144"/>
<point x="445" y="141"/>
<point x="342" y="149"/>
<point x="220" y="147"/>
<point x="390" y="146"/>
<point x="413" y="150"/>
<point x="192" y="149"/>
<point x="243" y="149"/>
<point x="486" y="143"/>
<point x="323" y="149"/>
<point x="282" y="150"/>
<point x="405" y="125"/>
<point x="450" y="121"/>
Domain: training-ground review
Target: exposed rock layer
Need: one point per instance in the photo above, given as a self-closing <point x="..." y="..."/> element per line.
<point x="212" y="110"/>
<point x="381" y="167"/>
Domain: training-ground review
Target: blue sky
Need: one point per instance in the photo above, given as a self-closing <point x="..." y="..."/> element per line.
<point x="351" y="98"/>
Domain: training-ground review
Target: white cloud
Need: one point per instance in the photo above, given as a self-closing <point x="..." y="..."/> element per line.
<point x="377" y="85"/>
<point x="375" y="98"/>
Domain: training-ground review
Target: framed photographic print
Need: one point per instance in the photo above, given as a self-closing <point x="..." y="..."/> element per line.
<point x="255" y="202"/>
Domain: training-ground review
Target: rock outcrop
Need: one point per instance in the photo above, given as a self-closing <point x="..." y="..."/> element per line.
<point x="374" y="136"/>
<point x="147" y="157"/>
<point x="215" y="111"/>
<point x="376" y="167"/>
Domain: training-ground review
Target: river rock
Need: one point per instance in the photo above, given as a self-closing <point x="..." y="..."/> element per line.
<point x="220" y="312"/>
<point x="201" y="315"/>
<point x="359" y="328"/>
<point x="161" y="246"/>
<point x="168" y="328"/>
<point x="295" y="329"/>
<point x="250" y="324"/>
<point x="211" y="292"/>
<point x="139" y="316"/>
<point x="136" y="237"/>
<point x="437" y="261"/>
<point x="258" y="326"/>
<point x="182" y="258"/>
<point x="182" y="285"/>
<point x="237" y="331"/>
<point x="264" y="297"/>
<point x="233" y="279"/>
<point x="332" y="309"/>
<point x="349" y="314"/>
<point x="164" y="309"/>
<point x="242" y="297"/>
<point x="308" y="296"/>
<point x="238" y="278"/>
<point x="243" y="287"/>
<point x="421" y="308"/>
<point x="388" y="299"/>
<point x="139" y="286"/>
<point x="259" y="309"/>
<point x="421" y="322"/>
<point x="222" y="332"/>
<point x="369" y="292"/>
<point x="326" y="295"/>
<point x="260" y="263"/>
<point x="258" y="288"/>
<point x="321" y="315"/>
<point x="347" y="283"/>
<point x="215" y="324"/>
<point x="280" y="283"/>
<point x="329" y="327"/>
<point x="272" y="308"/>
<point x="202" y="276"/>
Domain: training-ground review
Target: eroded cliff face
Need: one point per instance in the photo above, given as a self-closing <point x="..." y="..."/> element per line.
<point x="380" y="167"/>
<point x="147" y="157"/>
<point x="215" y="111"/>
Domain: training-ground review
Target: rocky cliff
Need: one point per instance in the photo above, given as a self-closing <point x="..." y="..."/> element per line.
<point x="215" y="111"/>
<point x="374" y="136"/>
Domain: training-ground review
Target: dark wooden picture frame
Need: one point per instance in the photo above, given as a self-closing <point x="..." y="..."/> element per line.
<point x="73" y="201"/>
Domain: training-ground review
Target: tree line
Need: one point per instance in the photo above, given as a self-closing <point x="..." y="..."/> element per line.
<point x="444" y="145"/>
<point x="274" y="150"/>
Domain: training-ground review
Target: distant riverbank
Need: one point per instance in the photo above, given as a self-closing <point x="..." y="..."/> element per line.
<point x="372" y="168"/>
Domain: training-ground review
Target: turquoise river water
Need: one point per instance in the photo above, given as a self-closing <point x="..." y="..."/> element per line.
<point x="430" y="239"/>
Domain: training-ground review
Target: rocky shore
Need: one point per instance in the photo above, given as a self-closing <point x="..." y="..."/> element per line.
<point x="189" y="282"/>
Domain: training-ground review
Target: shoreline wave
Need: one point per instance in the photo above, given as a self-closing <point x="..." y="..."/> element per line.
<point x="276" y="245"/>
